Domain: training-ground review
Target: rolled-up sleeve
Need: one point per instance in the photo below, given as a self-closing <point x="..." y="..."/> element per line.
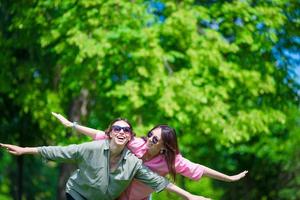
<point x="153" y="180"/>
<point x="62" y="154"/>
<point x="187" y="168"/>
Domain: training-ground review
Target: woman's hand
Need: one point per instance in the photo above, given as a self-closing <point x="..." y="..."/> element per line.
<point x="222" y="177"/>
<point x="238" y="176"/>
<point x="62" y="119"/>
<point x="13" y="149"/>
<point x="79" y="128"/>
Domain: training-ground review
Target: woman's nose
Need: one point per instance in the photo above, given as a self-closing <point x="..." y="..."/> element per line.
<point x="151" y="138"/>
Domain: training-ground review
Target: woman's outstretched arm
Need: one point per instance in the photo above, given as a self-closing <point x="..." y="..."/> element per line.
<point x="173" y="188"/>
<point x="81" y="129"/>
<point x="159" y="183"/>
<point x="70" y="153"/>
<point x="223" y="177"/>
<point x="195" y="171"/>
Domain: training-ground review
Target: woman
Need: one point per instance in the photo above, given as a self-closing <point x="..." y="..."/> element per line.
<point x="160" y="153"/>
<point x="105" y="168"/>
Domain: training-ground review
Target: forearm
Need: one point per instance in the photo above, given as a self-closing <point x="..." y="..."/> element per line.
<point x="82" y="129"/>
<point x="30" y="150"/>
<point x="215" y="174"/>
<point x="173" y="188"/>
<point x="86" y="131"/>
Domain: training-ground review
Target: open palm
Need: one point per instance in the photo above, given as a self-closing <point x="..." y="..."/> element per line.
<point x="62" y="119"/>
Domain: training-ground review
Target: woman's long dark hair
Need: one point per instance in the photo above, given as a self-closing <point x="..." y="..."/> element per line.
<point x="109" y="129"/>
<point x="169" y="139"/>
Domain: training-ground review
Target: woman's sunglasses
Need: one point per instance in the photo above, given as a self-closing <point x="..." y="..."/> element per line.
<point x="117" y="129"/>
<point x="154" y="139"/>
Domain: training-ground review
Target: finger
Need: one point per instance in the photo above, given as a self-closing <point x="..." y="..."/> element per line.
<point x="59" y="116"/>
<point x="9" y="145"/>
<point x="243" y="173"/>
<point x="4" y="145"/>
<point x="12" y="152"/>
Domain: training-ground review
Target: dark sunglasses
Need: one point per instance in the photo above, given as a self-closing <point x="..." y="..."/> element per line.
<point x="118" y="129"/>
<point x="154" y="139"/>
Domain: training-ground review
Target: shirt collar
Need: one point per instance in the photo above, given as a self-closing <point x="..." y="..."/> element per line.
<point x="125" y="152"/>
<point x="106" y="145"/>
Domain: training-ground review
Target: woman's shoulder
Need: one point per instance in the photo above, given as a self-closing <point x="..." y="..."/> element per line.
<point x="136" y="142"/>
<point x="96" y="144"/>
<point x="179" y="159"/>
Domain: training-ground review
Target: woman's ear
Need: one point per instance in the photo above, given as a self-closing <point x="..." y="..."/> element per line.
<point x="131" y="136"/>
<point x="110" y="134"/>
<point x="163" y="151"/>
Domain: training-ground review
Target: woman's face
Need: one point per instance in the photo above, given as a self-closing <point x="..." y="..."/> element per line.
<point x="154" y="140"/>
<point x="120" y="133"/>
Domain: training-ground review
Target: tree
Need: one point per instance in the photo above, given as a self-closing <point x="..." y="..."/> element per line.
<point x="206" y="68"/>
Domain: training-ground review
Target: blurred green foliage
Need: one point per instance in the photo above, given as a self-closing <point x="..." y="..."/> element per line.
<point x="204" y="67"/>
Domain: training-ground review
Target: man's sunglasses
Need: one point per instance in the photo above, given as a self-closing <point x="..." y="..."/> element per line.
<point x="118" y="129"/>
<point x="154" y="139"/>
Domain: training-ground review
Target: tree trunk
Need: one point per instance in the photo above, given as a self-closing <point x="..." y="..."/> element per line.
<point x="65" y="170"/>
<point x="20" y="162"/>
<point x="77" y="109"/>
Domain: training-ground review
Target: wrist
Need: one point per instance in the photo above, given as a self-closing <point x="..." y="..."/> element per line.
<point x="29" y="150"/>
<point x="188" y="195"/>
<point x="74" y="125"/>
<point x="229" y="179"/>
